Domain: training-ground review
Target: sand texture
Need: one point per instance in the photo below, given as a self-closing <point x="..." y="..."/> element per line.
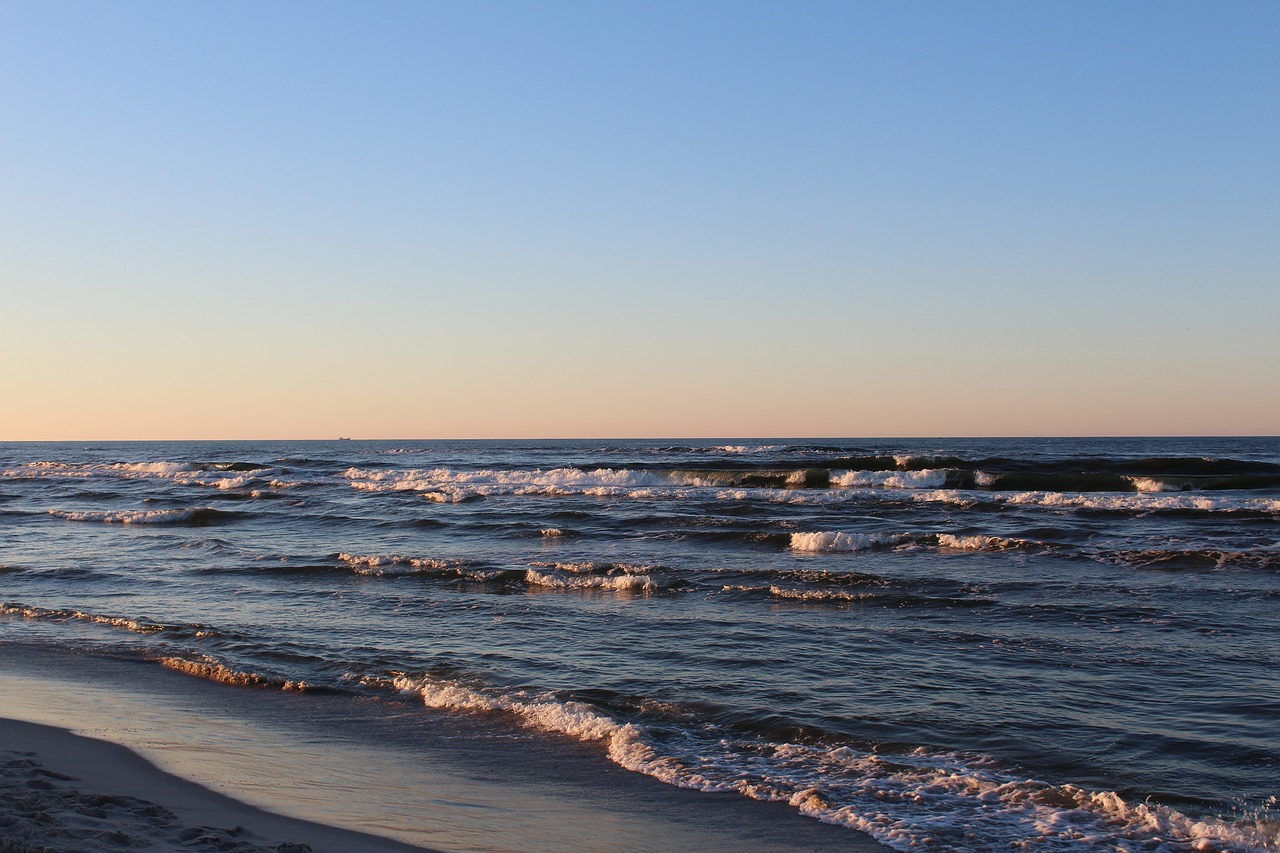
<point x="62" y="792"/>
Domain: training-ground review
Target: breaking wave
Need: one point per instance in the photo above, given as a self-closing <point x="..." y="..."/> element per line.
<point x="1127" y="503"/>
<point x="194" y="515"/>
<point x="592" y="575"/>
<point x="822" y="541"/>
<point x="211" y="670"/>
<point x="915" y="799"/>
<point x="923" y="479"/>
<point x="137" y="626"/>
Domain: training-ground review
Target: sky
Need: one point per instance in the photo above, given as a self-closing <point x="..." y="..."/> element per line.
<point x="488" y="219"/>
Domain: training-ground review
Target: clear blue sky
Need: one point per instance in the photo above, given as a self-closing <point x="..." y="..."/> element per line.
<point x="429" y="219"/>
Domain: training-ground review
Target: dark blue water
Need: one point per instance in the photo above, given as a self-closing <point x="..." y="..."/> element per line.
<point x="949" y="644"/>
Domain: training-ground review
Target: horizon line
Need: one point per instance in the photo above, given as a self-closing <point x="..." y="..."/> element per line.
<point x="919" y="437"/>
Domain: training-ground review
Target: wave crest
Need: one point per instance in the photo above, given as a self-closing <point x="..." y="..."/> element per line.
<point x="838" y="541"/>
<point x="212" y="670"/>
<point x="193" y="515"/>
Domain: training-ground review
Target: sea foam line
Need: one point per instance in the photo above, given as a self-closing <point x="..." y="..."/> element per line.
<point x="137" y="626"/>
<point x="916" y="800"/>
<point x="154" y="516"/>
<point x="839" y="541"/>
<point x="211" y="670"/>
<point x="1140" y="502"/>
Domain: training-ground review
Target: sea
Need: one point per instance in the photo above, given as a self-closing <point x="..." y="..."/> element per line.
<point x="948" y="644"/>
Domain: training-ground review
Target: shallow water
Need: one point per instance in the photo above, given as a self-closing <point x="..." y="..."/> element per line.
<point x="949" y="644"/>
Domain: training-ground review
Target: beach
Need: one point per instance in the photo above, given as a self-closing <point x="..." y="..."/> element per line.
<point x="61" y="791"/>
<point x="235" y="764"/>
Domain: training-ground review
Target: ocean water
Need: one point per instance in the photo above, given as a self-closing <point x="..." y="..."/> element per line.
<point x="951" y="645"/>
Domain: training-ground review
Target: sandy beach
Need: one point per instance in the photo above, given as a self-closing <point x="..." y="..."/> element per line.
<point x="254" y="758"/>
<point x="60" y="791"/>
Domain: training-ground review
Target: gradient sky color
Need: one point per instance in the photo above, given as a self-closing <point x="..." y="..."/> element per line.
<point x="567" y="219"/>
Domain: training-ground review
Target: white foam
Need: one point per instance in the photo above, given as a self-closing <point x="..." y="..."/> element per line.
<point x="449" y="496"/>
<point x="178" y="472"/>
<point x="929" y="478"/>
<point x="626" y="743"/>
<point x="48" y="469"/>
<point x="212" y="670"/>
<point x="976" y="542"/>
<point x="575" y="719"/>
<point x="748" y="448"/>
<point x="832" y="541"/>
<point x="161" y="468"/>
<point x="620" y="582"/>
<point x="837" y="595"/>
<point x="919" y="800"/>
<point x="30" y="612"/>
<point x="584" y="567"/>
<point x="1148" y="484"/>
<point x="497" y="482"/>
<point x="1141" y="502"/>
<point x="227" y="483"/>
<point x="155" y="516"/>
<point x="393" y="564"/>
<point x="943" y="801"/>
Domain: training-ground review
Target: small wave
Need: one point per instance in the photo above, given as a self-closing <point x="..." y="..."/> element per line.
<point x="154" y="467"/>
<point x="625" y="742"/>
<point x="823" y="541"/>
<point x="1126" y="503"/>
<point x="211" y="670"/>
<point x="447" y="496"/>
<point x="1149" y="484"/>
<point x="220" y="475"/>
<point x="933" y="800"/>
<point x="871" y="597"/>
<point x="137" y="626"/>
<point x="593" y="575"/>
<point x="194" y="515"/>
<point x="393" y="564"/>
<point x="928" y="478"/>
<point x="597" y="567"/>
<point x="1171" y="559"/>
<point x="917" y="799"/>
<point x="981" y="542"/>
<point x="617" y="583"/>
<point x="545" y="713"/>
<point x="819" y="595"/>
<point x="448" y="482"/>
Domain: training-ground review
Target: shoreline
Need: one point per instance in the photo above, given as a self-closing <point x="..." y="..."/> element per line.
<point x="60" y="788"/>
<point x="378" y="776"/>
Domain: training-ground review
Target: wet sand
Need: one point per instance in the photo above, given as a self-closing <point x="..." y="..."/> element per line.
<point x="352" y="774"/>
<point x="60" y="791"/>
